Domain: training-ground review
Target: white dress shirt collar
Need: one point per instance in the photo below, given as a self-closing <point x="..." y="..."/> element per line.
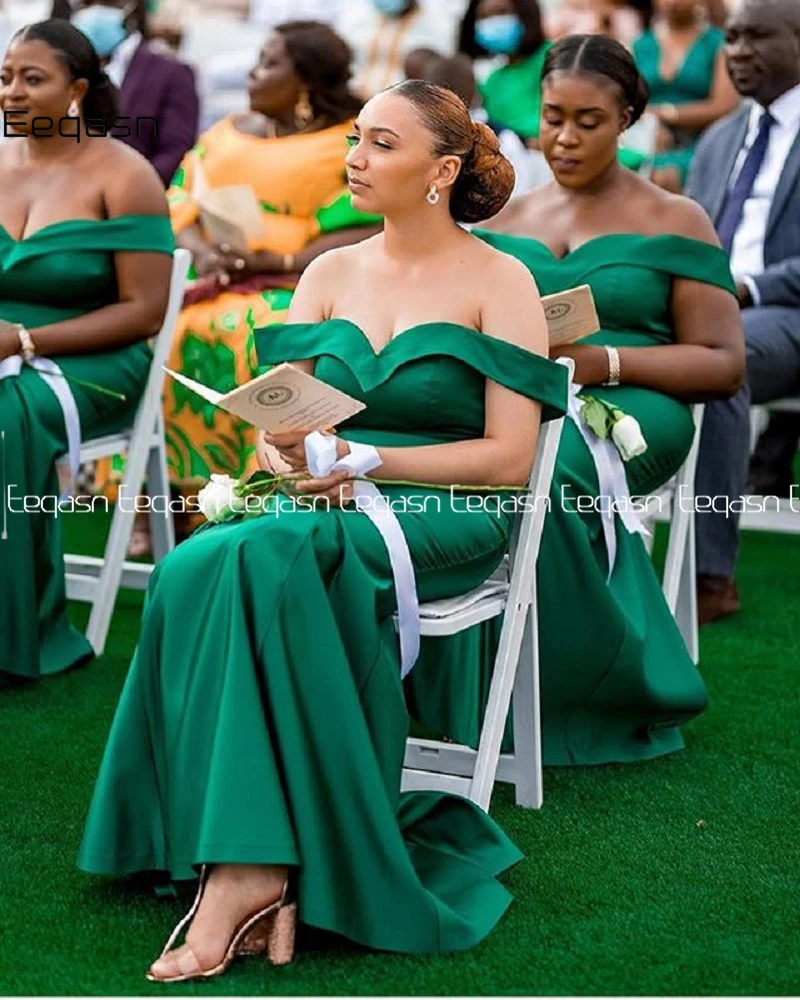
<point x="121" y="58"/>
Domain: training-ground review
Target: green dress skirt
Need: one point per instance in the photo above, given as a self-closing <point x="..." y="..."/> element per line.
<point x="60" y="272"/>
<point x="263" y="718"/>
<point x="616" y="679"/>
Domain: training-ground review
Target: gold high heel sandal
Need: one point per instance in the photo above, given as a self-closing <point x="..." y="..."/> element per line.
<point x="270" y="931"/>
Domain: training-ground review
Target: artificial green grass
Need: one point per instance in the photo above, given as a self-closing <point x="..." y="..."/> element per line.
<point x="678" y="876"/>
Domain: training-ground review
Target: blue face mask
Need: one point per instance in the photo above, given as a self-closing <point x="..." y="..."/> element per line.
<point x="103" y="26"/>
<point x="392" y="8"/>
<point x="500" y="34"/>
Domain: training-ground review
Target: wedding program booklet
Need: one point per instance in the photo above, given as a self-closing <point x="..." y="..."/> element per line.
<point x="282" y="399"/>
<point x="570" y="315"/>
<point x="232" y="215"/>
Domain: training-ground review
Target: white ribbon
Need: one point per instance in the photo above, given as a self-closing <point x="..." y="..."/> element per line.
<point x="53" y="376"/>
<point x="363" y="458"/>
<point x="611" y="479"/>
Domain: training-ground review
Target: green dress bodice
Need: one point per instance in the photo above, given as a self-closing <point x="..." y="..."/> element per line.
<point x="66" y="269"/>
<point x="694" y="77"/>
<point x="630" y="276"/>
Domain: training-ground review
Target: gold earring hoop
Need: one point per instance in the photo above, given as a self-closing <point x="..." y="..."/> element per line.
<point x="303" y="111"/>
<point x="432" y="197"/>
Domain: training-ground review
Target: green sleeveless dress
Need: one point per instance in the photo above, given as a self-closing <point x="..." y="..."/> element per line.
<point x="263" y="718"/>
<point x="616" y="679"/>
<point x="60" y="272"/>
<point x="691" y="83"/>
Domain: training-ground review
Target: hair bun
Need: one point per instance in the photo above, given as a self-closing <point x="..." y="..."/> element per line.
<point x="486" y="180"/>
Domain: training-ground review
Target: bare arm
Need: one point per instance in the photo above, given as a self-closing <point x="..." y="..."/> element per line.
<point x="721" y="101"/>
<point x="707" y="359"/>
<point x="142" y="278"/>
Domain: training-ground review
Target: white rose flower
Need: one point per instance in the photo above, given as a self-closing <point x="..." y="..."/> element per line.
<point x="627" y="436"/>
<point x="218" y="501"/>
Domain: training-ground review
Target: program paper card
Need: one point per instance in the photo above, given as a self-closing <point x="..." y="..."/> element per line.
<point x="282" y="399"/>
<point x="570" y="315"/>
<point x="232" y="215"/>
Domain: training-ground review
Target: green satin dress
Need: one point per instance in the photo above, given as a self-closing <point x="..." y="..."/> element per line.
<point x="263" y="718"/>
<point x="616" y="679"/>
<point x="60" y="272"/>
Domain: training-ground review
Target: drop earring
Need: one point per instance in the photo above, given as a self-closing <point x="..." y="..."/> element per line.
<point x="432" y="197"/>
<point x="73" y="111"/>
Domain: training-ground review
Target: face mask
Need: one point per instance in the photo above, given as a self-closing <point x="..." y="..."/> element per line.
<point x="500" y="34"/>
<point x="392" y="8"/>
<point x="103" y="26"/>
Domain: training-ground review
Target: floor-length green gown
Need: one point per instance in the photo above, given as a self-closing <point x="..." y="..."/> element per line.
<point x="263" y="717"/>
<point x="616" y="679"/>
<point x="62" y="271"/>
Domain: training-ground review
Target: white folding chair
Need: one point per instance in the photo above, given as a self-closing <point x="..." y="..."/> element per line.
<point x="679" y="582"/>
<point x="511" y="592"/>
<point x="779" y="514"/>
<point x="98" y="580"/>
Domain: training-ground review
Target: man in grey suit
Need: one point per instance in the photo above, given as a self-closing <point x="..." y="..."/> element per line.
<point x="746" y="174"/>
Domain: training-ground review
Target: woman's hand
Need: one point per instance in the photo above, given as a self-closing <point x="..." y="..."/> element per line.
<point x="290" y="446"/>
<point x="208" y="261"/>
<point x="337" y="488"/>
<point x="591" y="362"/>
<point x="244" y="265"/>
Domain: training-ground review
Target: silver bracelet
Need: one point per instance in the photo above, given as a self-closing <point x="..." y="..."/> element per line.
<point x="613" y="365"/>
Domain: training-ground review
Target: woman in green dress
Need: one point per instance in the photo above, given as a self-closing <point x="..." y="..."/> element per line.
<point x="262" y="727"/>
<point x="510" y="30"/>
<point x="85" y="247"/>
<point x="680" y="56"/>
<point x="617" y="681"/>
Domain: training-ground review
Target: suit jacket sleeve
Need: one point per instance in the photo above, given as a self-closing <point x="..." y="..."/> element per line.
<point x="697" y="178"/>
<point x="779" y="285"/>
<point x="178" y="122"/>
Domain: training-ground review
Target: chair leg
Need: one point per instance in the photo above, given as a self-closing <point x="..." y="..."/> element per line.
<point x="527" y="718"/>
<point x="497" y="706"/>
<point x="162" y="525"/>
<point x="118" y="540"/>
<point x="686" y="600"/>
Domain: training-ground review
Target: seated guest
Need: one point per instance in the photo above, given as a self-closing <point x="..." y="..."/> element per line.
<point x="290" y="149"/>
<point x="85" y="248"/>
<point x="682" y="60"/>
<point x="623" y="20"/>
<point x="381" y="33"/>
<point x="262" y="727"/>
<point x="152" y="84"/>
<point x="617" y="681"/>
<point x="511" y="30"/>
<point x="745" y="174"/>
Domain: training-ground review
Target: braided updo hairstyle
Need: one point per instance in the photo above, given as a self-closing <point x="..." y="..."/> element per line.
<point x="486" y="179"/>
<point x="77" y="54"/>
<point x="601" y="56"/>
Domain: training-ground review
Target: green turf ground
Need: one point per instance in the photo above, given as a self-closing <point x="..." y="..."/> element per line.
<point x="674" y="877"/>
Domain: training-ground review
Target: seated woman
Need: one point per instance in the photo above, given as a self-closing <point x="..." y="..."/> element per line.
<point x="512" y="31"/>
<point x="617" y="680"/>
<point x="85" y="261"/>
<point x="290" y="150"/>
<point x="262" y="727"/>
<point x="681" y="59"/>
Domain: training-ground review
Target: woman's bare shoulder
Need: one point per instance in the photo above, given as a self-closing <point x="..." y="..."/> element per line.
<point x="523" y="213"/>
<point x="677" y="215"/>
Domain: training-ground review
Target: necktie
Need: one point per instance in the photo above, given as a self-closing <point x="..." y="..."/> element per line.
<point x="733" y="209"/>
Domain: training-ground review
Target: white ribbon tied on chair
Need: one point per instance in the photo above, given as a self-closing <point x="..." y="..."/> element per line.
<point x="54" y="377"/>
<point x="612" y="482"/>
<point x="363" y="458"/>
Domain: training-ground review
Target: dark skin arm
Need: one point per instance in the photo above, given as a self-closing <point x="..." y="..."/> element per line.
<point x="133" y="188"/>
<point x="706" y="362"/>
